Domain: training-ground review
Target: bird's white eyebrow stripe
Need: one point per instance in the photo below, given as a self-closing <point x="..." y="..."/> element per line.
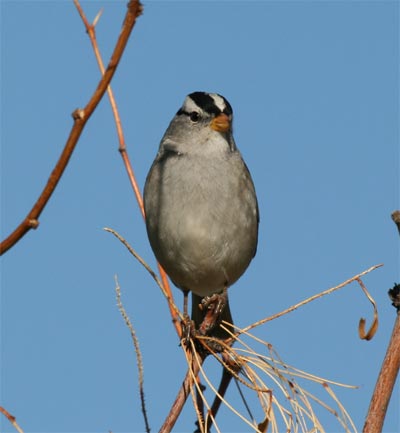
<point x="189" y="105"/>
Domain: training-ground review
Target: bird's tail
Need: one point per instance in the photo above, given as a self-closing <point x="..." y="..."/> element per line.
<point x="198" y="316"/>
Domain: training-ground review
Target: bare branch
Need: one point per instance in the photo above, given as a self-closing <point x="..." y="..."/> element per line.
<point x="90" y="29"/>
<point x="80" y="116"/>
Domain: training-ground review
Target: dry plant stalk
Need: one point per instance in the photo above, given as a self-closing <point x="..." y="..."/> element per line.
<point x="139" y="358"/>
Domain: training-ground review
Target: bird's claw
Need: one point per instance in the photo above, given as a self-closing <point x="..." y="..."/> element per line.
<point x="213" y="305"/>
<point x="188" y="329"/>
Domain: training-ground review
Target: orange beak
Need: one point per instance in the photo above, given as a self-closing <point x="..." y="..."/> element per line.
<point x="221" y="123"/>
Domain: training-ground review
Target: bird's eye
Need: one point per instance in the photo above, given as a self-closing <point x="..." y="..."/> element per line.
<point x="194" y="116"/>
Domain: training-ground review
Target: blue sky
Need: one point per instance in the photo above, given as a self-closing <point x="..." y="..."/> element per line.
<point x="315" y="92"/>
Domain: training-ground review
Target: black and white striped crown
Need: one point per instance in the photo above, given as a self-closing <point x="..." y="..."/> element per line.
<point x="211" y="103"/>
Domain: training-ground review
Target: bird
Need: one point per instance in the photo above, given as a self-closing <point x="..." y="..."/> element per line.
<point x="201" y="208"/>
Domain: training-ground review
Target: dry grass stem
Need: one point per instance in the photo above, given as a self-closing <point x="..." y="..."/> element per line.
<point x="283" y="403"/>
<point x="139" y="359"/>
<point x="214" y="389"/>
<point x="312" y="298"/>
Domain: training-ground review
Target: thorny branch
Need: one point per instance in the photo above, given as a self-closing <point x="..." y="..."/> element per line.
<point x="80" y="116"/>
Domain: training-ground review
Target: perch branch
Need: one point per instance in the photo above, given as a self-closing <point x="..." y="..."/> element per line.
<point x="80" y="116"/>
<point x="184" y="392"/>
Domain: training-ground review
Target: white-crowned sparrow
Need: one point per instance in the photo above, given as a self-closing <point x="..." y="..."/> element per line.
<point x="200" y="203"/>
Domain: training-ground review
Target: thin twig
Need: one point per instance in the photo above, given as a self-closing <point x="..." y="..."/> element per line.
<point x="12" y="419"/>
<point x="139" y="358"/>
<point x="91" y="31"/>
<point x="148" y="269"/>
<point x="80" y="116"/>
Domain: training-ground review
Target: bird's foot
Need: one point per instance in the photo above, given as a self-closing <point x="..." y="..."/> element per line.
<point x="213" y="307"/>
<point x="188" y="329"/>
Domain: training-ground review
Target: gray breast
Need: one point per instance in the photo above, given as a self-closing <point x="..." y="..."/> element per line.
<point x="202" y="220"/>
